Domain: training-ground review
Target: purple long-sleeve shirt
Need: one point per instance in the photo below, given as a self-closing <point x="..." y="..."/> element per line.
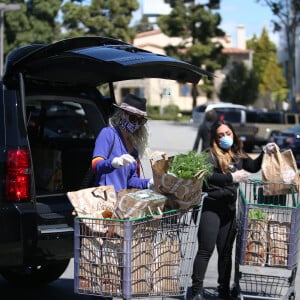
<point x="110" y="144"/>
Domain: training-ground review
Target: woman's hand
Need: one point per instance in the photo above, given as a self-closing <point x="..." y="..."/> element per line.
<point x="269" y="148"/>
<point x="240" y="176"/>
<point x="122" y="160"/>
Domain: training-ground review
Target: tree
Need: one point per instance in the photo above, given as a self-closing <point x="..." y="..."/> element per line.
<point x="108" y="18"/>
<point x="197" y="25"/>
<point x="287" y="12"/>
<point x="272" y="84"/>
<point x="35" y="22"/>
<point x="240" y="85"/>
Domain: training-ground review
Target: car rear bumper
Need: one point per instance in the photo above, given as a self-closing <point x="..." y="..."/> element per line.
<point x="28" y="238"/>
<point x="18" y="224"/>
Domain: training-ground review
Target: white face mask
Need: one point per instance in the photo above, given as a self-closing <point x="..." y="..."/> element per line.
<point x="226" y="142"/>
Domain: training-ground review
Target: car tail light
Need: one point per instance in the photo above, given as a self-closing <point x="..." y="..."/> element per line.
<point x="17" y="183"/>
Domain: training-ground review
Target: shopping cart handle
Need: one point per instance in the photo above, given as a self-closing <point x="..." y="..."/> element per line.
<point x="254" y="180"/>
<point x="203" y="195"/>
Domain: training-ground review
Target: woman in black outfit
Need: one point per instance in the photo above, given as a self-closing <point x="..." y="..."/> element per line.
<point x="218" y="218"/>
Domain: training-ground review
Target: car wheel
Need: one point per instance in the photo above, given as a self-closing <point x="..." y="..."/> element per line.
<point x="35" y="275"/>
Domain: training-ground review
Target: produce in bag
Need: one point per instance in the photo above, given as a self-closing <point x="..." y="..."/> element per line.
<point x="180" y="177"/>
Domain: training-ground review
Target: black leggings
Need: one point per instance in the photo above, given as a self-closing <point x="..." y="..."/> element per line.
<point x="215" y="229"/>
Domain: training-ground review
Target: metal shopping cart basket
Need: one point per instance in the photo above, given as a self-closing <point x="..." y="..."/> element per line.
<point x="145" y="257"/>
<point x="267" y="245"/>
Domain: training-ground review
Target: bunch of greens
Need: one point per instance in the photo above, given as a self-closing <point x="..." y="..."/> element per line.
<point x="188" y="165"/>
<point x="257" y="214"/>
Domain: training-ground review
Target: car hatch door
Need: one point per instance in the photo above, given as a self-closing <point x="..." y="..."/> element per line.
<point x="91" y="61"/>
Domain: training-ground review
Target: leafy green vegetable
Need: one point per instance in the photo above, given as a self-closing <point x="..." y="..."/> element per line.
<point x="257" y="214"/>
<point x="190" y="165"/>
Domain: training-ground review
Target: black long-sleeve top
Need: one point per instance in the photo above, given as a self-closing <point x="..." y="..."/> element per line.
<point x="220" y="188"/>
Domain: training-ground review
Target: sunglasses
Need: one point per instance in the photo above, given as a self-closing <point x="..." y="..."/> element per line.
<point x="136" y="119"/>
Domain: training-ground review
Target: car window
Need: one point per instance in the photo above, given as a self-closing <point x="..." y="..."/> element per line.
<point x="200" y="108"/>
<point x="229" y="115"/>
<point x="291" y="119"/>
<point x="58" y="119"/>
<point x="252" y="116"/>
<point x="264" y="117"/>
<point x="270" y="117"/>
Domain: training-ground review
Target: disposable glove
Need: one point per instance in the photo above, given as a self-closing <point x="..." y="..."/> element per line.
<point x="239" y="176"/>
<point x="269" y="148"/>
<point x="122" y="160"/>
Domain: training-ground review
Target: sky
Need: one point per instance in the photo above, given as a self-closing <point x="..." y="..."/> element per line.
<point x="254" y="16"/>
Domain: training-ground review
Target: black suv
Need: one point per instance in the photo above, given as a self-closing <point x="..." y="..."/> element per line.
<point x="51" y="112"/>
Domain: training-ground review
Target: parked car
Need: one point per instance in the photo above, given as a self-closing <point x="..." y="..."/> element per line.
<point x="267" y="123"/>
<point x="51" y="112"/>
<point x="235" y="114"/>
<point x="289" y="139"/>
<point x="238" y="117"/>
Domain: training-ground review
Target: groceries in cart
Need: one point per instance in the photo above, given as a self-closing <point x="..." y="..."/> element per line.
<point x="170" y="192"/>
<point x="135" y="242"/>
<point x="103" y="202"/>
<point x="142" y="257"/>
<point x="140" y="250"/>
<point x="267" y="246"/>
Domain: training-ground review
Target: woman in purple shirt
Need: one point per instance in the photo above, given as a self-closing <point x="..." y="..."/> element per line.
<point x="119" y="147"/>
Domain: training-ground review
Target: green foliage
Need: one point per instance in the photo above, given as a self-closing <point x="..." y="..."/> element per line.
<point x="257" y="214"/>
<point x="196" y="24"/>
<point x="240" y="85"/>
<point x="286" y="19"/>
<point x="35" y="22"/>
<point x="100" y="18"/>
<point x="43" y="22"/>
<point x="272" y="84"/>
<point x="187" y="165"/>
<point x="153" y="110"/>
<point x="171" y="110"/>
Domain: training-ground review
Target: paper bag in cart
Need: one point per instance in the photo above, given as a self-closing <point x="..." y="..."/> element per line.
<point x="280" y="173"/>
<point x="95" y="202"/>
<point x="138" y="203"/>
<point x="181" y="193"/>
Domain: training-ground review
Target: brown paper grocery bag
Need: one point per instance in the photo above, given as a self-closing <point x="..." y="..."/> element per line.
<point x="96" y="202"/>
<point x="280" y="173"/>
<point x="257" y="245"/>
<point x="181" y="193"/>
<point x="166" y="264"/>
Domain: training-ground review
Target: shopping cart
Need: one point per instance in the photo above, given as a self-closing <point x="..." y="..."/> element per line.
<point x="267" y="244"/>
<point x="146" y="257"/>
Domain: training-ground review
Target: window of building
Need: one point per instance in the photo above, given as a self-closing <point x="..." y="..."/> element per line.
<point x="185" y="90"/>
<point x="138" y="91"/>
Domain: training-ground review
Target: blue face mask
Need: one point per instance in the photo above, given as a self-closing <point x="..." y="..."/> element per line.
<point x="226" y="142"/>
<point x="129" y="127"/>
